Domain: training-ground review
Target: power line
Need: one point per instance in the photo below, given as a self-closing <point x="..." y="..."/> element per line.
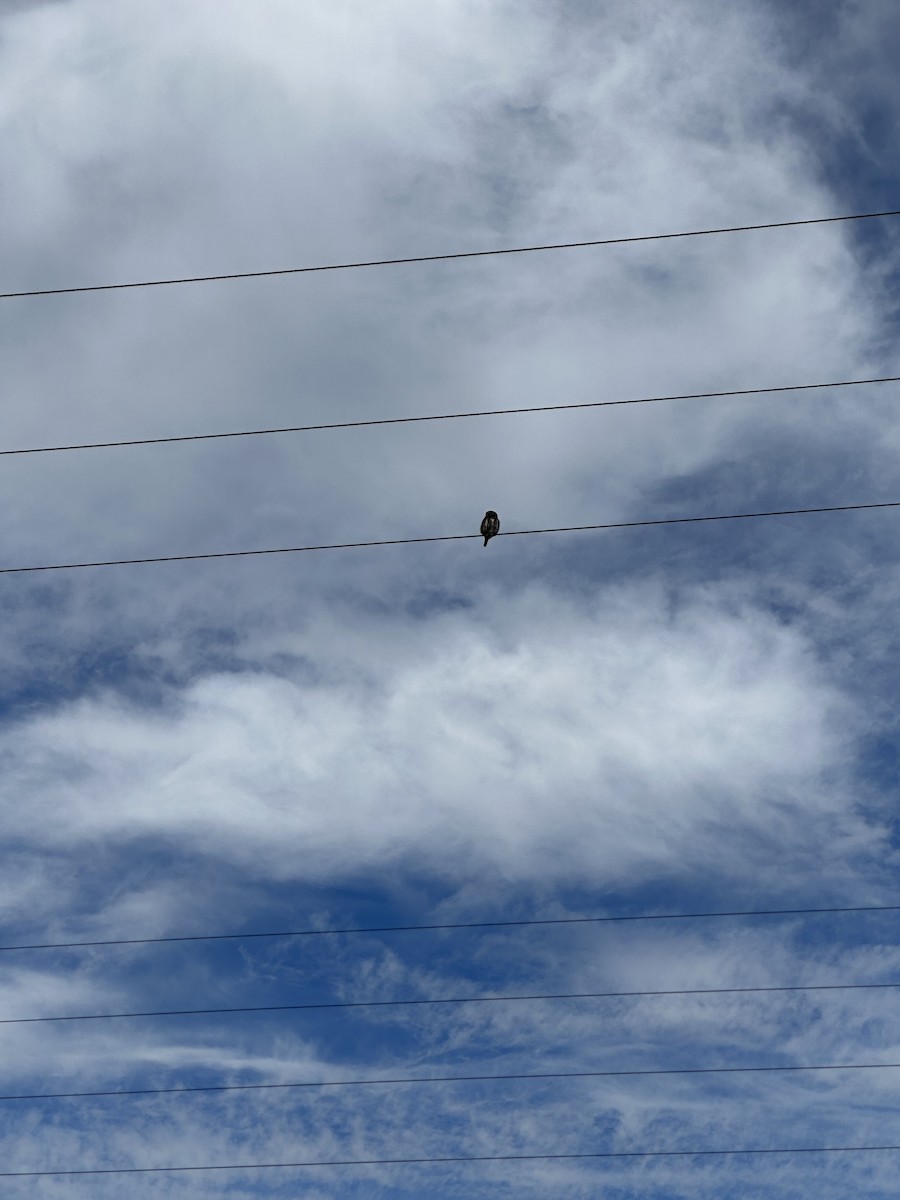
<point x="428" y="1001"/>
<point x="454" y="416"/>
<point x="456" y="1158"/>
<point x="424" y="258"/>
<point x="447" y="925"/>
<point x="448" y="537"/>
<point x="416" y="1080"/>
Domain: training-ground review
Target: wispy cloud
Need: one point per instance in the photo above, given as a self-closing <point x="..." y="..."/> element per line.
<point x="692" y="718"/>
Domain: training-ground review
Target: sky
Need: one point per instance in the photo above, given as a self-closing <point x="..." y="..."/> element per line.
<point x="680" y="719"/>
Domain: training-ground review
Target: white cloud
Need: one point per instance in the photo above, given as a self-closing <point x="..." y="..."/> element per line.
<point x="471" y="127"/>
<point x="531" y="736"/>
<point x="196" y="746"/>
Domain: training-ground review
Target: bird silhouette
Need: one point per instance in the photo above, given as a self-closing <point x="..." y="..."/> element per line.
<point x="490" y="525"/>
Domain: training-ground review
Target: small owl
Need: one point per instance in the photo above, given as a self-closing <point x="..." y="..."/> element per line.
<point x="490" y="526"/>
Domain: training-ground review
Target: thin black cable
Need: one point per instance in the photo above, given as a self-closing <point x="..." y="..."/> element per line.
<point x="286" y="933"/>
<point x="448" y="537"/>
<point x="421" y="1079"/>
<point x="455" y="416"/>
<point x="423" y="258"/>
<point x="456" y="1158"/>
<point x="414" y="1003"/>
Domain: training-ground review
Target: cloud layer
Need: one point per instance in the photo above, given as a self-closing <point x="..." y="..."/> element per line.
<point x="686" y="718"/>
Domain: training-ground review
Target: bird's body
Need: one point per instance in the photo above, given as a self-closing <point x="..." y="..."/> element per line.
<point x="490" y="525"/>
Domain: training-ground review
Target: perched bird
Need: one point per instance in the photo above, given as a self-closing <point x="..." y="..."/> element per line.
<point x="490" y="526"/>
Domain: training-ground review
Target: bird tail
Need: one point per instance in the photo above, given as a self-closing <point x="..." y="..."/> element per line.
<point x="485" y="541"/>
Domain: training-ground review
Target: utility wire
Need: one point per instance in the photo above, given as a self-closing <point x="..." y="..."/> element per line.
<point x="415" y="1080"/>
<point x="413" y="1003"/>
<point x="456" y="1158"/>
<point x="455" y="416"/>
<point x="288" y="933"/>
<point x="448" y="537"/>
<point x="423" y="258"/>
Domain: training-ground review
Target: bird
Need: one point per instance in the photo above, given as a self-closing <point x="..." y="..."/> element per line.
<point x="490" y="525"/>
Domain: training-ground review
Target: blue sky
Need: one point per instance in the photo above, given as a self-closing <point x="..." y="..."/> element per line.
<point x="673" y="719"/>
